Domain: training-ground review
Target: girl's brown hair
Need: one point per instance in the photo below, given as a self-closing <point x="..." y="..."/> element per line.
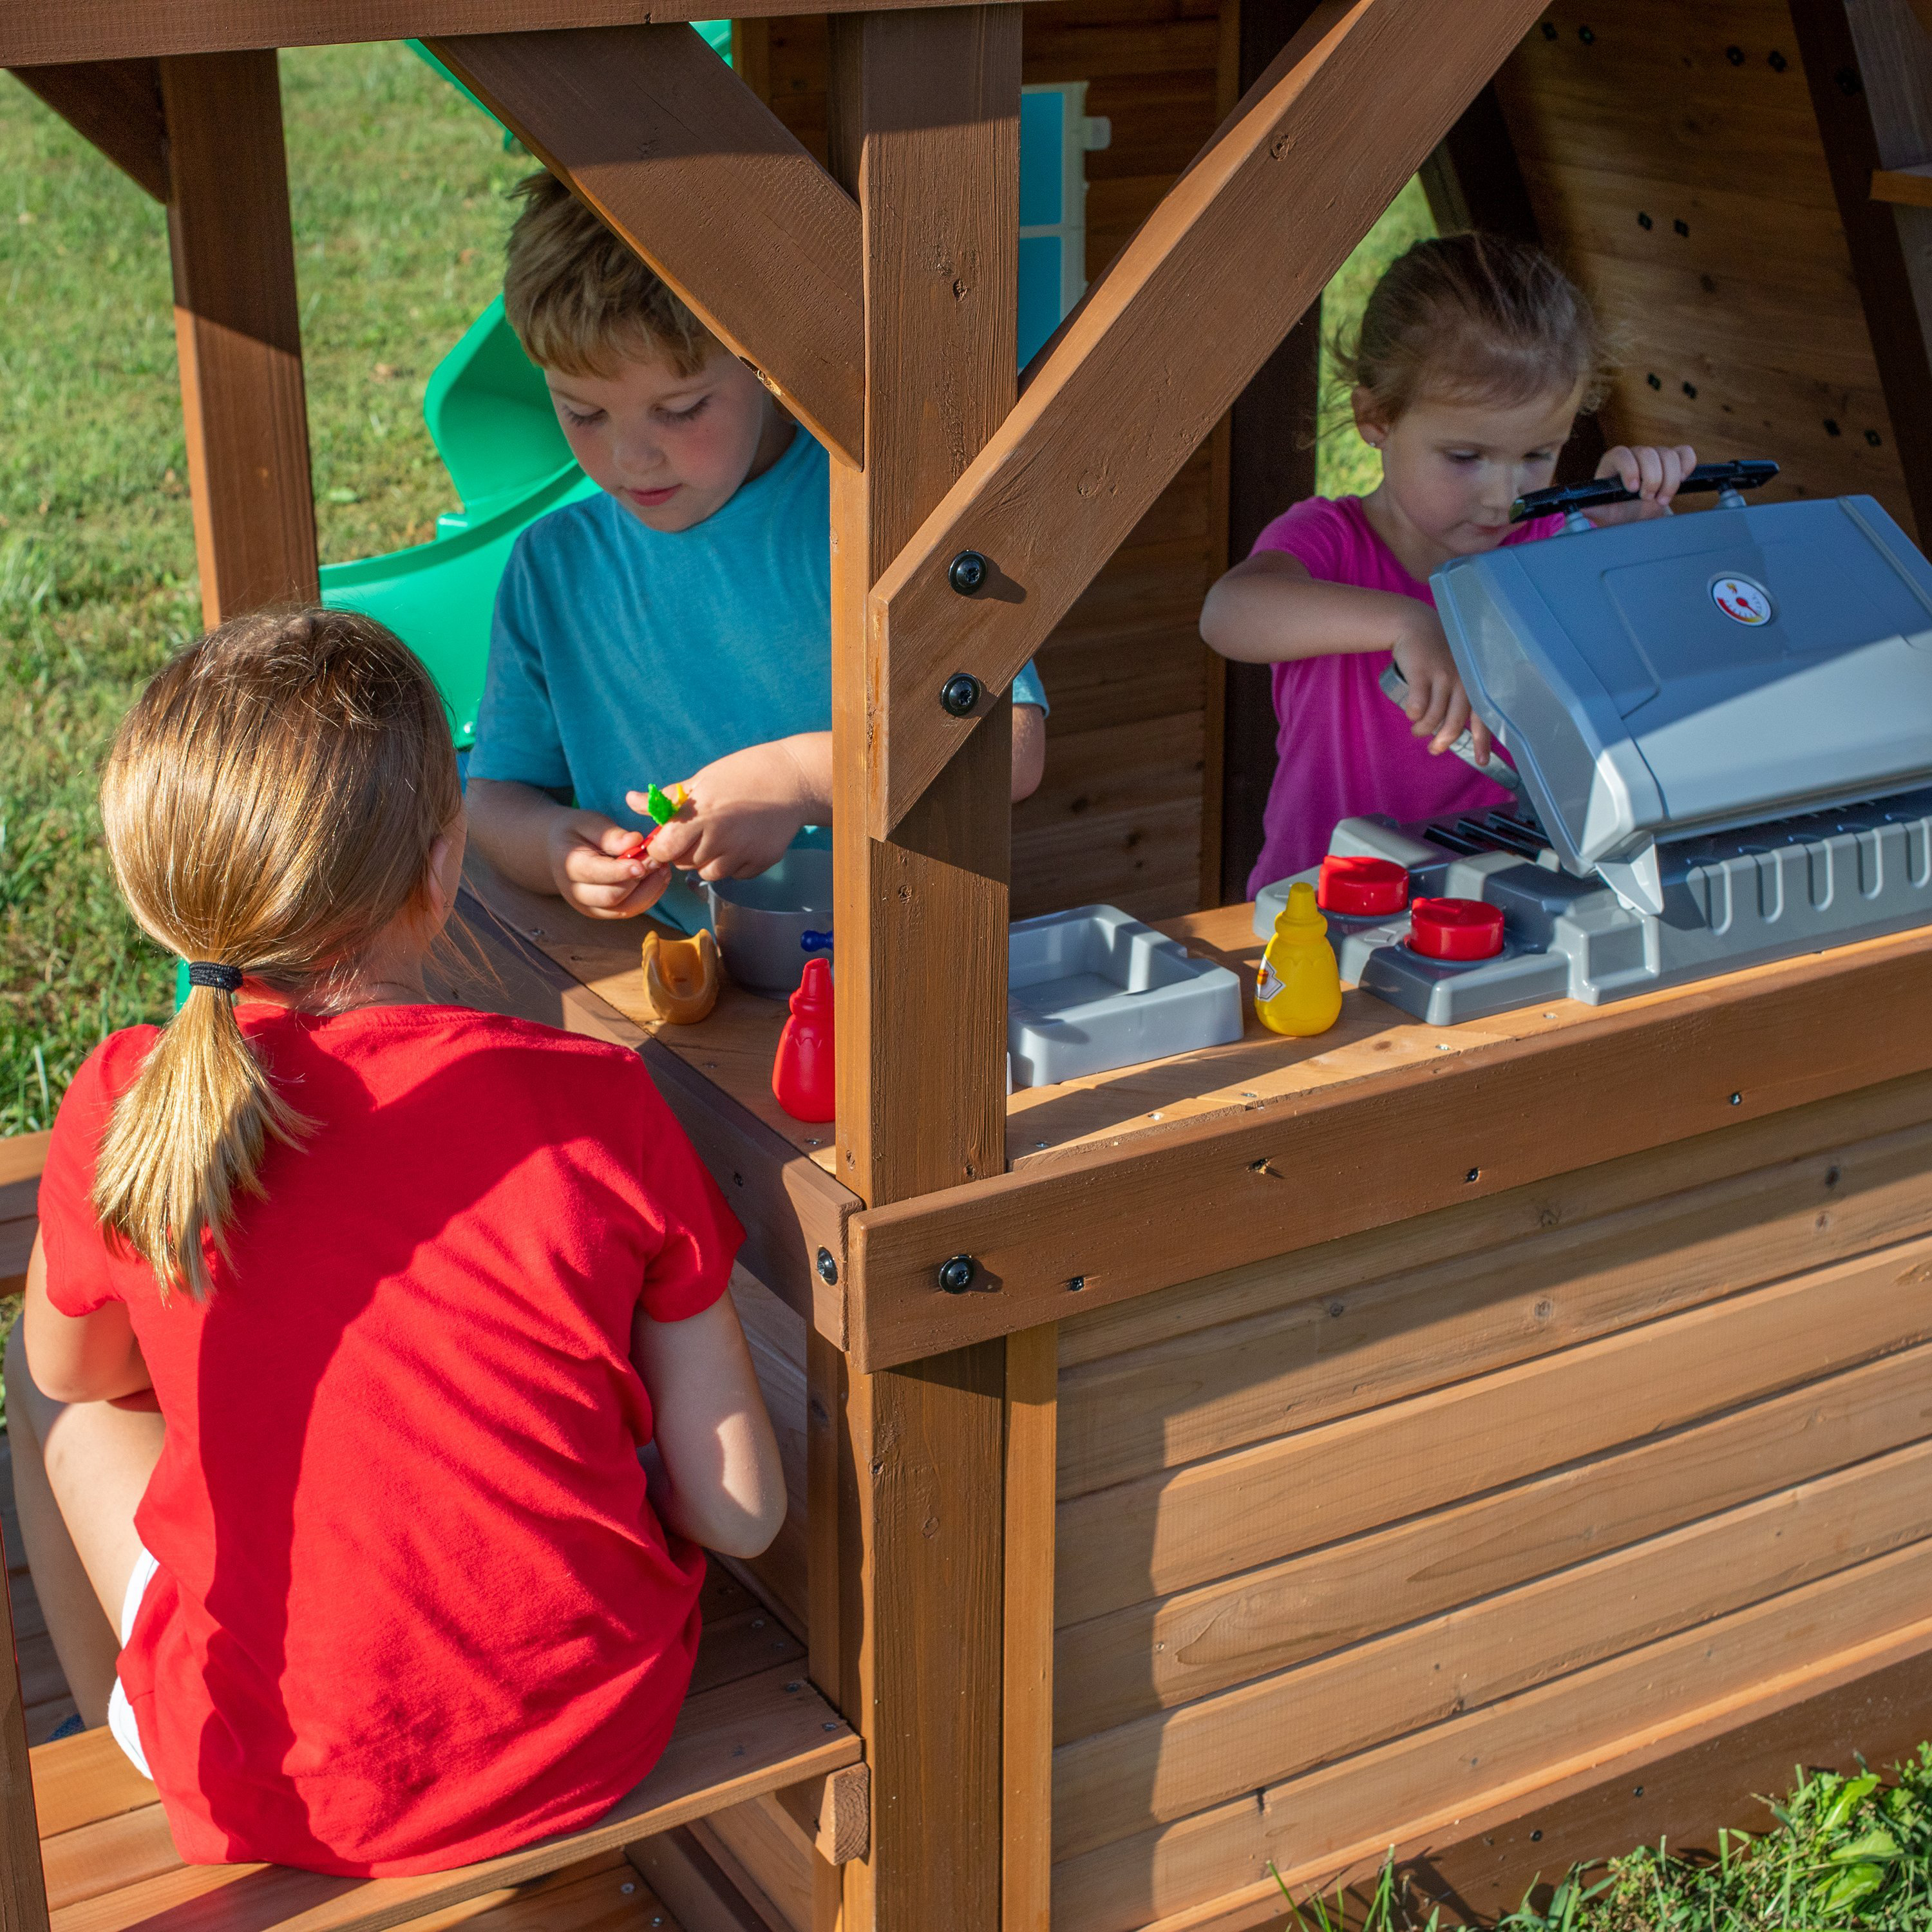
<point x="270" y="805"/>
<point x="1474" y="317"/>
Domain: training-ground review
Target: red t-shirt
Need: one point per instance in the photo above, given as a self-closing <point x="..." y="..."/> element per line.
<point x="413" y="1607"/>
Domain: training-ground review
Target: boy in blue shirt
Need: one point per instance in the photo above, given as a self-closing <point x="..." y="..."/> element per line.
<point x="677" y="627"/>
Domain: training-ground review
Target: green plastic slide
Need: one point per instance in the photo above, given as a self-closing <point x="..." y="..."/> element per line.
<point x="490" y="416"/>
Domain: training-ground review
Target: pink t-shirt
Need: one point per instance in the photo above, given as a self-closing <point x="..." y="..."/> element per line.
<point x="1342" y="749"/>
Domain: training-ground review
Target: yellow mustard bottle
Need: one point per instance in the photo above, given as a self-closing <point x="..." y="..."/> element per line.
<point x="1299" y="991"/>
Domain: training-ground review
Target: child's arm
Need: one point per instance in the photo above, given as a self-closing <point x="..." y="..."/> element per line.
<point x="91" y="1358"/>
<point x="1268" y="609"/>
<point x="592" y="862"/>
<point x="713" y="1463"/>
<point x="745" y="809"/>
<point x="1653" y="474"/>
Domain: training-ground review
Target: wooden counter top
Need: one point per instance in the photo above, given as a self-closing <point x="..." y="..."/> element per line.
<point x="734" y="1047"/>
<point x="1136" y="1179"/>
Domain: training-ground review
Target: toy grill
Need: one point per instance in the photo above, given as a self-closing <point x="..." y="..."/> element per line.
<point x="1722" y="725"/>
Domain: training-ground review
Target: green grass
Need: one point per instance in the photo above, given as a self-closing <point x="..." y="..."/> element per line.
<point x="1345" y="465"/>
<point x="398" y="188"/>
<point x="1843" y="1854"/>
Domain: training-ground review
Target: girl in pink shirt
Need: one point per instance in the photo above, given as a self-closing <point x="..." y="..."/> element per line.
<point x="1474" y="358"/>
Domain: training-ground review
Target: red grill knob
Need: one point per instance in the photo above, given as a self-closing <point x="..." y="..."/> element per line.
<point x="1359" y="888"/>
<point x="1456" y="928"/>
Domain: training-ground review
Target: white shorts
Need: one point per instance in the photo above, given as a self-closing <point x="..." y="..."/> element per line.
<point x="120" y="1712"/>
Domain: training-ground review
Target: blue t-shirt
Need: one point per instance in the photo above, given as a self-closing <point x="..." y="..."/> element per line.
<point x="622" y="656"/>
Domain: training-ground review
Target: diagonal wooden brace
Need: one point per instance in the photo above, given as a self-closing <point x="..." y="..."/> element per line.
<point x="690" y="169"/>
<point x="117" y="105"/>
<point x="1163" y="343"/>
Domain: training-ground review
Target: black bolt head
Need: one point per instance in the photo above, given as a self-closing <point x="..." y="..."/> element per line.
<point x="828" y="1268"/>
<point x="960" y="695"/>
<point x="956" y="1276"/>
<point x="968" y="572"/>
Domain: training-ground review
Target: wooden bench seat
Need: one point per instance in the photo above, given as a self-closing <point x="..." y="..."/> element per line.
<point x="750" y="1727"/>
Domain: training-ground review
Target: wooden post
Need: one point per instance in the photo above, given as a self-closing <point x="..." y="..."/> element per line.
<point x="1271" y="465"/>
<point x="1033" y="1415"/>
<point x="23" y="1892"/>
<point x="1869" y="66"/>
<point x="237" y="330"/>
<point x="924" y="113"/>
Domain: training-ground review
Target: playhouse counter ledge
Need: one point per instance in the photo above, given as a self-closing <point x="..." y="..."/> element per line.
<point x="1153" y="1176"/>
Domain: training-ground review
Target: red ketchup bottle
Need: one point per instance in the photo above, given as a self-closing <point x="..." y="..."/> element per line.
<point x="803" y="1079"/>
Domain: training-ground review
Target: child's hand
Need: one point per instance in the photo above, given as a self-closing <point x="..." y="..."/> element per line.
<point x="743" y="811"/>
<point x="1436" y="703"/>
<point x="1654" y="475"/>
<point x="600" y="867"/>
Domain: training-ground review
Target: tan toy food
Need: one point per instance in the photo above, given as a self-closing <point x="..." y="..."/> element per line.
<point x="680" y="976"/>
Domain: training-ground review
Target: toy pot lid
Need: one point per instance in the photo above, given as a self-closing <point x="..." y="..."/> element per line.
<point x="1361" y="887"/>
<point x="1456" y="928"/>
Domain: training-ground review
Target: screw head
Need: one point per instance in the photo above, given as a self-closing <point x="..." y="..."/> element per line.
<point x="828" y="1268"/>
<point x="968" y="573"/>
<point x="960" y="695"/>
<point x="956" y="1276"/>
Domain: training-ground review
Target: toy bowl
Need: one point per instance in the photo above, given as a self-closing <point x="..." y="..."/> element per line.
<point x="768" y="927"/>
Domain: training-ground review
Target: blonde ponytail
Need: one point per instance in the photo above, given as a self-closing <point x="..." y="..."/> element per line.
<point x="270" y="805"/>
<point x="186" y="1138"/>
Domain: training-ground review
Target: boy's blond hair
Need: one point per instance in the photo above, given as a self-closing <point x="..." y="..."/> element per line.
<point x="580" y="302"/>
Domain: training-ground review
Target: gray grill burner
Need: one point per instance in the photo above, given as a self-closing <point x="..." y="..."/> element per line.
<point x="1730" y="899"/>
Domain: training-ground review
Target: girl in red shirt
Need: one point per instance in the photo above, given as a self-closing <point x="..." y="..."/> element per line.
<point x="378" y="1378"/>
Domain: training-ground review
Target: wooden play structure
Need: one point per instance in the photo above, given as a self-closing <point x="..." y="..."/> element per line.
<point x="1501" y="1443"/>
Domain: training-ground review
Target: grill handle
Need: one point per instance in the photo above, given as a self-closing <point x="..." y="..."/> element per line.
<point x="1745" y="473"/>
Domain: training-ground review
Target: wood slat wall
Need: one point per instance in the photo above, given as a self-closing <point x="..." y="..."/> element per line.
<point x="1676" y="168"/>
<point x="1349" y="1544"/>
<point x="1134" y="737"/>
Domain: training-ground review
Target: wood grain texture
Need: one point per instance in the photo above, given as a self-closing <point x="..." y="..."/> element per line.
<point x="1295" y="178"/>
<point x="23" y="1898"/>
<point x="768" y="1860"/>
<point x="1904" y="187"/>
<point x="921" y="1621"/>
<point x="1683" y="1781"/>
<point x="1271" y="464"/>
<point x="1161" y="1207"/>
<point x="927" y="130"/>
<point x="1151" y="1656"/>
<point x="906" y="1579"/>
<point x="22" y="1157"/>
<point x="1734" y="346"/>
<point x="1210" y="1518"/>
<point x="1329" y="1355"/>
<point x="1027" y="1733"/>
<point x="731" y="1743"/>
<point x="115" y="104"/>
<point x="238" y="334"/>
<point x="1173" y="1763"/>
<point x="1793" y="1139"/>
<point x="1880" y="121"/>
<point x="1497" y="1756"/>
<point x="684" y="1874"/>
<point x="684" y="162"/>
<point x="81" y="30"/>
